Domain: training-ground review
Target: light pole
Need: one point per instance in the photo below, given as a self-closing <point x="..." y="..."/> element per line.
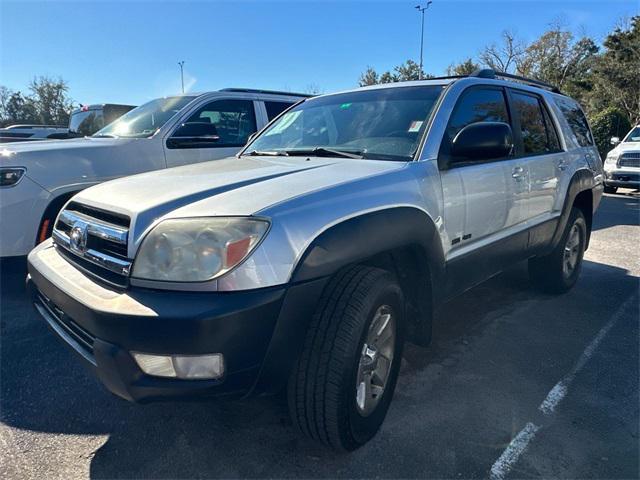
<point x="421" y="10"/>
<point x="182" y="74"/>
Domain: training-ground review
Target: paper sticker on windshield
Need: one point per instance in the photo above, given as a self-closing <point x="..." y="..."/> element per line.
<point x="415" y="126"/>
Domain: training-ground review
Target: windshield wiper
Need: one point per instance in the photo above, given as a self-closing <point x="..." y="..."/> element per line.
<point x="327" y="152"/>
<point x="267" y="153"/>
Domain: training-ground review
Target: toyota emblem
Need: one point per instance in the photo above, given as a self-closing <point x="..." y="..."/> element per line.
<point x="78" y="237"/>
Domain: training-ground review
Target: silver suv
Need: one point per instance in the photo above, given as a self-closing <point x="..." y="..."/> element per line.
<point x="306" y="261"/>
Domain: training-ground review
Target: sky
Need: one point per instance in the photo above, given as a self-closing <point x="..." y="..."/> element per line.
<point x="128" y="52"/>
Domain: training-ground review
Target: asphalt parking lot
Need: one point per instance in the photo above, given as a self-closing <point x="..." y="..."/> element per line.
<point x="516" y="384"/>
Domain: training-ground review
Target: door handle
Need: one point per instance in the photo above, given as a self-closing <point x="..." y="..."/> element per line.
<point x="518" y="173"/>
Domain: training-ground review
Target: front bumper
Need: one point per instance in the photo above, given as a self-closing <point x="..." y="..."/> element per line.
<point x="103" y="326"/>
<point x="622" y="178"/>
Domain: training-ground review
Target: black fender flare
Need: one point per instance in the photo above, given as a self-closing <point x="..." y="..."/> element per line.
<point x="349" y="242"/>
<point x="359" y="238"/>
<point x="582" y="180"/>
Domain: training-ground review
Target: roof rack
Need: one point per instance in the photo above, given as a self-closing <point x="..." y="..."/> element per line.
<point x="490" y="73"/>
<point x="273" y="92"/>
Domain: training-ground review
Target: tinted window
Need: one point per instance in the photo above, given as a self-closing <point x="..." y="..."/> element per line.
<point x="233" y="120"/>
<point x="633" y="136"/>
<point x="576" y="119"/>
<point x="86" y="122"/>
<point x="536" y="138"/>
<point x="477" y="105"/>
<point x="276" y="108"/>
<point x="474" y="106"/>
<point x="382" y="123"/>
<point x="552" y="134"/>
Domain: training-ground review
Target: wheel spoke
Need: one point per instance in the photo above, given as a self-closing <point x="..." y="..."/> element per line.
<point x="376" y="357"/>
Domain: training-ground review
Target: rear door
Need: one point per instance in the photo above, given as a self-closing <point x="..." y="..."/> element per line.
<point x="538" y="147"/>
<point x="234" y="120"/>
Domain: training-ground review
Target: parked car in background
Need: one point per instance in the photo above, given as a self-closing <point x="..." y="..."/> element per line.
<point x="38" y="178"/>
<point x="88" y="119"/>
<point x="307" y="261"/>
<point x="23" y="133"/>
<point x="622" y="165"/>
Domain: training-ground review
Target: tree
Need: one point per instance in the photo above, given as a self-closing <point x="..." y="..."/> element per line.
<point x="608" y="123"/>
<point x="368" y="77"/>
<point x="467" y="67"/>
<point x="558" y="59"/>
<point x="504" y="56"/>
<point x="616" y="72"/>
<point x="406" y="71"/>
<point x="47" y="103"/>
<point x="51" y="100"/>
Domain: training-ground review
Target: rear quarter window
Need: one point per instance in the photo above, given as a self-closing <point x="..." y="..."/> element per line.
<point x="576" y="120"/>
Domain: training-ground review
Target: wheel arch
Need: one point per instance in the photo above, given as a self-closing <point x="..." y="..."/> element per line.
<point x="580" y="195"/>
<point x="48" y="217"/>
<point x="403" y="240"/>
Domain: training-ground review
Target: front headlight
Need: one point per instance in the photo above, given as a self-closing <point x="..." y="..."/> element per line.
<point x="611" y="160"/>
<point x="196" y="249"/>
<point x="10" y="176"/>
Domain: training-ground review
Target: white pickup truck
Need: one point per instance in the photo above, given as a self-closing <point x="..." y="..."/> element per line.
<point x="38" y="178"/>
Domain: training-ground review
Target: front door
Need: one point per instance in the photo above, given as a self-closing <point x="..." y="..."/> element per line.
<point x="482" y="198"/>
<point x="233" y="121"/>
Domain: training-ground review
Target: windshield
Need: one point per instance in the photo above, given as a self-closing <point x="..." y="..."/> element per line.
<point x="634" y="135"/>
<point x="86" y="122"/>
<point x="145" y="120"/>
<point x="384" y="124"/>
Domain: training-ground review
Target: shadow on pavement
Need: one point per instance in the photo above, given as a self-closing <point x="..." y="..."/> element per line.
<point x="614" y="211"/>
<point x="43" y="388"/>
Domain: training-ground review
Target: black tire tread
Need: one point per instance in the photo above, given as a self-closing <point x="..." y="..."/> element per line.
<point x="315" y="386"/>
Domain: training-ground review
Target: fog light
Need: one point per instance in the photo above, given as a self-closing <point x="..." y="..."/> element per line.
<point x="181" y="366"/>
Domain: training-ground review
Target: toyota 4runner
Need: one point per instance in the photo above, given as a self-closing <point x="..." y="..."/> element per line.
<point x="306" y="261"/>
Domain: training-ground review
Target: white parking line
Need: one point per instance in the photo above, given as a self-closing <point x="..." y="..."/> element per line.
<point x="519" y="444"/>
<point x="511" y="454"/>
<point x="561" y="388"/>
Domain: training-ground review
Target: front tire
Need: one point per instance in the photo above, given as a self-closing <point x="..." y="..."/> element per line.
<point x="342" y="384"/>
<point x="558" y="272"/>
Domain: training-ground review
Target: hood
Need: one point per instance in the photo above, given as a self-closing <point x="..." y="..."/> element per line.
<point x="230" y="187"/>
<point x="627" y="147"/>
<point x="79" y="161"/>
<point x="73" y="144"/>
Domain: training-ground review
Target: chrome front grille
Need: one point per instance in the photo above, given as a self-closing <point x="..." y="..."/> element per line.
<point x="629" y="159"/>
<point x="95" y="241"/>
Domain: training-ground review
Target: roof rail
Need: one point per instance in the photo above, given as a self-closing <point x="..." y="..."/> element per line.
<point x="490" y="73"/>
<point x="273" y="92"/>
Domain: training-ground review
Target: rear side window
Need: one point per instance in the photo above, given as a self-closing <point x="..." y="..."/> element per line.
<point x="538" y="135"/>
<point x="276" y="108"/>
<point x="576" y="120"/>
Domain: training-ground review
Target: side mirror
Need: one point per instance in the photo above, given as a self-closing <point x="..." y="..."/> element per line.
<point x="482" y="141"/>
<point x="194" y="135"/>
<point x="614" y="141"/>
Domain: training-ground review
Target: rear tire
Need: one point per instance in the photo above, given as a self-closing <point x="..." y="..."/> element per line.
<point x="610" y="189"/>
<point x="558" y="272"/>
<point x="342" y="384"/>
